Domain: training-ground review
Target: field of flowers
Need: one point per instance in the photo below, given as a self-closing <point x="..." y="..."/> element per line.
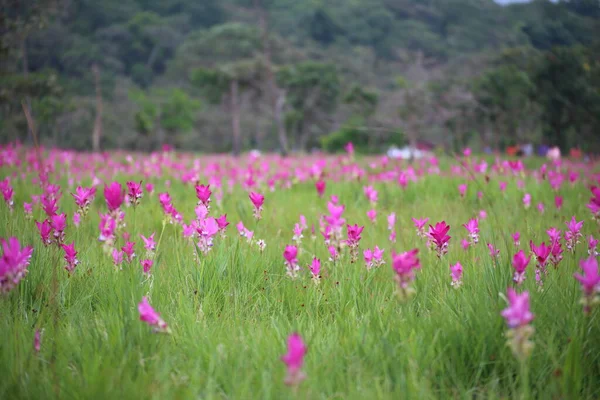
<point x="170" y="275"/>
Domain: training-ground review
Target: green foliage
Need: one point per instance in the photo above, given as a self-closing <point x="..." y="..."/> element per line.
<point x="365" y="140"/>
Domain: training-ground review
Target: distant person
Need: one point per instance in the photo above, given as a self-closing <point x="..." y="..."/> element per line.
<point x="527" y="149"/>
<point x="553" y="154"/>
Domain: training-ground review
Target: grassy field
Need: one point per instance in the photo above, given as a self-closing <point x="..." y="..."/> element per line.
<point x="230" y="311"/>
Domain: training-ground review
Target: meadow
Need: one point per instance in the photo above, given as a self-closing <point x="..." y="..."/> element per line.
<point x="226" y="301"/>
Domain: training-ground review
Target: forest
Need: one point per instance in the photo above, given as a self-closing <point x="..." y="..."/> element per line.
<point x="298" y="75"/>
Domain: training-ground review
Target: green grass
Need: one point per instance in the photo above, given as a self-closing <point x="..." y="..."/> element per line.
<point x="231" y="312"/>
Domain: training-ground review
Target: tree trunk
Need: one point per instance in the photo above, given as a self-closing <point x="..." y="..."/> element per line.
<point x="275" y="96"/>
<point x="235" y="117"/>
<point x="97" y="132"/>
<point x="25" y="60"/>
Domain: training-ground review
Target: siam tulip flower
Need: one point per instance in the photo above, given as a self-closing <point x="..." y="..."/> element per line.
<point x="315" y="270"/>
<point x="590" y="283"/>
<point x="527" y="200"/>
<point x="370" y="194"/>
<point x="479" y="195"/>
<point x="294" y="359"/>
<point x="558" y="202"/>
<point x="291" y="262"/>
<point x="28" y="209"/>
<point x="573" y="235"/>
<point x="520" y="263"/>
<point x="472" y="228"/>
<point x="149" y="188"/>
<point x="13" y="263"/>
<point x="353" y="238"/>
<point x="334" y="256"/>
<point x="368" y="256"/>
<point x="494" y="252"/>
<point x="201" y="212"/>
<point x="114" y="196"/>
<point x="391" y="219"/>
<point x="502" y="186"/>
<point x="146" y="265"/>
<point x="439" y="238"/>
<point x="555" y="253"/>
<point x="117" y="256"/>
<point x="203" y="193"/>
<point x="349" y="147"/>
<point x="129" y="250"/>
<point x="592" y="243"/>
<point x="518" y="317"/>
<point x="70" y="257"/>
<point x="107" y="227"/>
<point x="7" y="193"/>
<point x="594" y="204"/>
<point x="261" y="244"/>
<point x="456" y="272"/>
<point x="207" y="229"/>
<point x="541" y="252"/>
<point x="37" y="341"/>
<point x="420" y="225"/>
<point x="59" y="224"/>
<point x="83" y="198"/>
<point x="151" y="317"/>
<point x="465" y="244"/>
<point x="482" y="214"/>
<point x="45" y="230"/>
<point x="149" y="244"/>
<point x="134" y="191"/>
<point x="405" y="265"/>
<point x="297" y="238"/>
<point x="467" y="152"/>
<point x="222" y="223"/>
<point x="320" y="186"/>
<point x="257" y="201"/>
<point x="49" y="205"/>
<point x="553" y="234"/>
<point x="76" y="219"/>
<point x="372" y="215"/>
<point x="516" y="237"/>
<point x="541" y="208"/>
<point x="462" y="189"/>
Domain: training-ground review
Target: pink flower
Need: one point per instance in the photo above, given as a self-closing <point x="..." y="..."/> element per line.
<point x="420" y="225"/>
<point x="59" y="224"/>
<point x="13" y="263"/>
<point x="372" y="215"/>
<point x="107" y="227"/>
<point x="482" y="214"/>
<point x="320" y="186"/>
<point x="117" y="256"/>
<point x="70" y="257"/>
<point x="520" y="263"/>
<point x="592" y="243"/>
<point x="203" y="193"/>
<point x="315" y="267"/>
<point x="134" y="191"/>
<point x="370" y="193"/>
<point x="462" y="189"/>
<point x="151" y="317"/>
<point x="149" y="243"/>
<point x="37" y="341"/>
<point x="502" y="186"/>
<point x="45" y="230"/>
<point x="558" y="202"/>
<point x="527" y="200"/>
<point x="494" y="252"/>
<point x="541" y="208"/>
<point x="590" y="280"/>
<point x="333" y="253"/>
<point x="465" y="244"/>
<point x="353" y="234"/>
<point x="541" y="252"/>
<point x="573" y="235"/>
<point x="76" y="219"/>
<point x="7" y="192"/>
<point x="594" y="204"/>
<point x="472" y="228"/>
<point x="517" y="314"/>
<point x="516" y="237"/>
<point x="294" y="359"/>
<point x="467" y="152"/>
<point x="258" y="201"/>
<point x="114" y="196"/>
<point x="149" y="187"/>
<point x="456" y="272"/>
<point x="49" y="204"/>
<point x="222" y="223"/>
<point x="391" y="219"/>
<point x="146" y="265"/>
<point x="405" y="265"/>
<point x="438" y="235"/>
<point x="28" y="209"/>
<point x="84" y="197"/>
<point x="290" y="253"/>
<point x="349" y="147"/>
<point x="129" y="250"/>
<point x="368" y="256"/>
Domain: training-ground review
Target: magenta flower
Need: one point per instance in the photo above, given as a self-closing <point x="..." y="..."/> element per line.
<point x="405" y="264"/>
<point x="114" y="196"/>
<point x="83" y="198"/>
<point x="45" y="230"/>
<point x="456" y="272"/>
<point x="290" y="254"/>
<point x="541" y="252"/>
<point x="203" y="194"/>
<point x="368" y="256"/>
<point x="541" y="208"/>
<point x="129" y="250"/>
<point x="151" y="317"/>
<point x="134" y="191"/>
<point x="333" y="254"/>
<point x="222" y="222"/>
<point x="482" y="214"/>
<point x="320" y="186"/>
<point x="315" y="269"/>
<point x="590" y="282"/>
<point x="372" y="215"/>
<point x="558" y="202"/>
<point x="294" y="359"/>
<point x="592" y="243"/>
<point x="149" y="243"/>
<point x="502" y="186"/>
<point x="527" y="200"/>
<point x="438" y="236"/>
<point x="520" y="263"/>
<point x="59" y="224"/>
<point x="353" y="234"/>
<point x="76" y="219"/>
<point x="349" y="147"/>
<point x="28" y="209"/>
<point x="107" y="227"/>
<point x="494" y="252"/>
<point x="420" y="225"/>
<point x="37" y="341"/>
<point x="465" y="244"/>
<point x="370" y="194"/>
<point x="258" y="201"/>
<point x="49" y="204"/>
<point x="7" y="193"/>
<point x="472" y="228"/>
<point x="517" y="314"/>
<point x="149" y="187"/>
<point x="516" y="237"/>
<point x="117" y="256"/>
<point x="70" y="257"/>
<point x="13" y="263"/>
<point x="594" y="204"/>
<point x="391" y="219"/>
<point x="146" y="266"/>
<point x="573" y="235"/>
<point x="462" y="189"/>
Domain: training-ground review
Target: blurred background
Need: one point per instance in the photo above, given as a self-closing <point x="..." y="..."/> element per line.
<point x="300" y="75"/>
